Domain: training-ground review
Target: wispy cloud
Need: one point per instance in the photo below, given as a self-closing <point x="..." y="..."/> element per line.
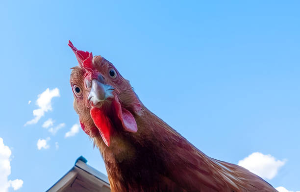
<point x="74" y="130"/>
<point x="54" y="130"/>
<point x="44" y="104"/>
<point x="48" y="123"/>
<point x="266" y="166"/>
<point x="42" y="143"/>
<point x="29" y="102"/>
<point x="282" y="189"/>
<point x="5" y="170"/>
<point x="56" y="145"/>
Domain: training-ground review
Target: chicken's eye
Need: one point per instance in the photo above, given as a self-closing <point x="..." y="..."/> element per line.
<point x="112" y="73"/>
<point x="77" y="91"/>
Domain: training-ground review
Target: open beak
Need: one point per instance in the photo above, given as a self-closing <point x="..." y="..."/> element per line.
<point x="99" y="92"/>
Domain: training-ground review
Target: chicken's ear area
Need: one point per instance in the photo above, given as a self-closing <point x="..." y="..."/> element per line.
<point x="125" y="116"/>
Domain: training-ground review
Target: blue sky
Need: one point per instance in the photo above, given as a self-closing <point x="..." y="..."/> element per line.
<point x="224" y="75"/>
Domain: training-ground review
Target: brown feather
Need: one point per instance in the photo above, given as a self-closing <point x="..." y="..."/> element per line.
<point x="157" y="152"/>
<point x="156" y="157"/>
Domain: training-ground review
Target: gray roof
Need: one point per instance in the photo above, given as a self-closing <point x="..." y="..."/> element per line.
<point x="82" y="178"/>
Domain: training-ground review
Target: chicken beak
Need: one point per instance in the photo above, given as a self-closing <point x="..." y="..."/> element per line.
<point x="99" y="92"/>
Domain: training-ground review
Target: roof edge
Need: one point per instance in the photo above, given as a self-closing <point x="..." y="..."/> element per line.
<point x="81" y="158"/>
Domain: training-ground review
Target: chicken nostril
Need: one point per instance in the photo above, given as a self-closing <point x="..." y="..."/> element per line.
<point x="100" y="78"/>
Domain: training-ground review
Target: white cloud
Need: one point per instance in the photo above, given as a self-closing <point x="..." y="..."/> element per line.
<point x="282" y="189"/>
<point x="74" y="130"/>
<point x="29" y="102"/>
<point x="56" y="145"/>
<point x="53" y="130"/>
<point x="42" y="143"/>
<point x="16" y="184"/>
<point x="48" y="123"/>
<point x="44" y="103"/>
<point x="266" y="166"/>
<point x="5" y="169"/>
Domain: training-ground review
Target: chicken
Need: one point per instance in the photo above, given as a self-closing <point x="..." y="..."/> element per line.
<point x="141" y="152"/>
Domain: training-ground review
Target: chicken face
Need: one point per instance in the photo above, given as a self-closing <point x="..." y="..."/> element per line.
<point x="104" y="100"/>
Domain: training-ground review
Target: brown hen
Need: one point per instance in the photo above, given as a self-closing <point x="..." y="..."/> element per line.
<point x="141" y="152"/>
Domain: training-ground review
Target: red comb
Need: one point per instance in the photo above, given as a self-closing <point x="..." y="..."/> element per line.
<point x="84" y="58"/>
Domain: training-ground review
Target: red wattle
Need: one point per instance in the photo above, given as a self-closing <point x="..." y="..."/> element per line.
<point x="103" y="123"/>
<point x="91" y="131"/>
<point x="126" y="118"/>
